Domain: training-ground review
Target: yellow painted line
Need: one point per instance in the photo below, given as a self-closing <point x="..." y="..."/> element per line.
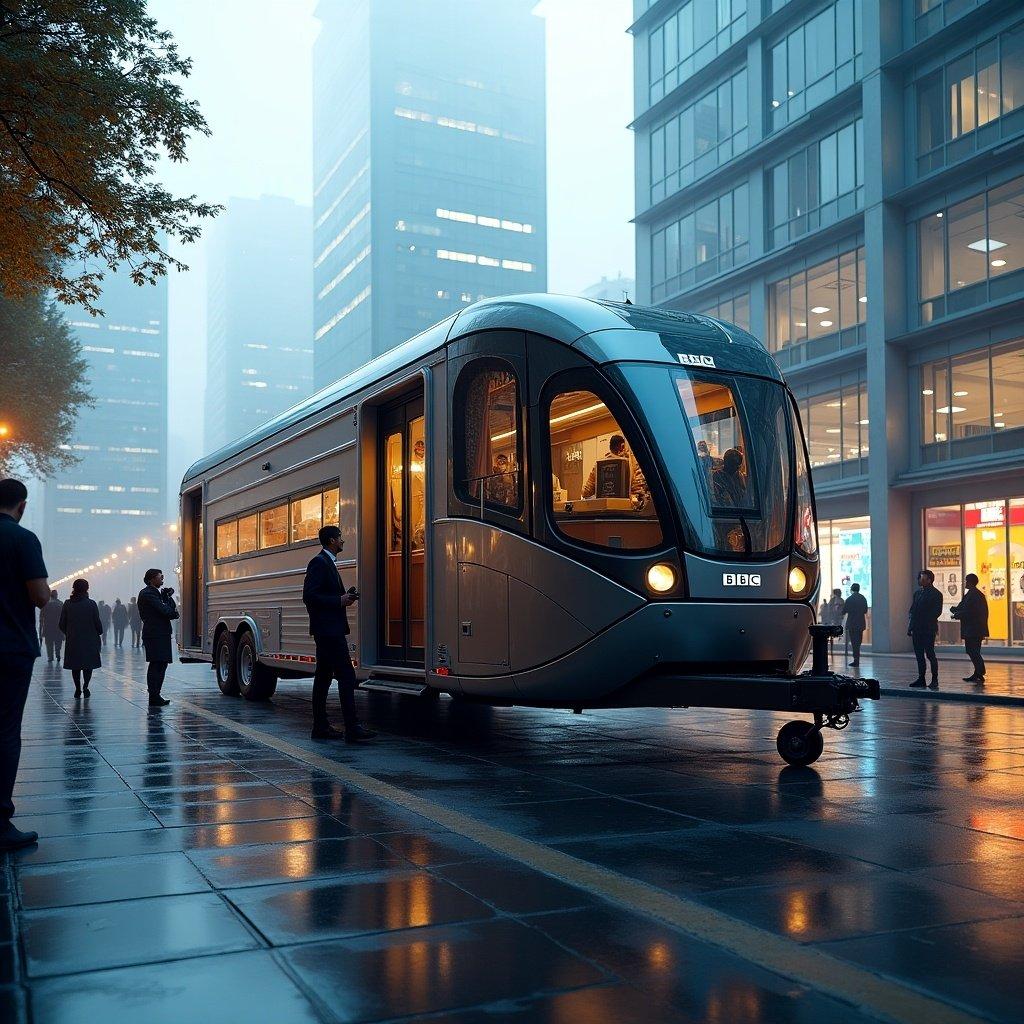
<point x="876" y="996"/>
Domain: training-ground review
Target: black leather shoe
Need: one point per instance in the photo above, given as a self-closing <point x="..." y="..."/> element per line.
<point x="12" y="838"/>
<point x="326" y="732"/>
<point x="970" y="679"/>
<point x="359" y="735"/>
<point x="158" y="702"/>
<point x="933" y="685"/>
<point x="919" y="683"/>
<point x="854" y="664"/>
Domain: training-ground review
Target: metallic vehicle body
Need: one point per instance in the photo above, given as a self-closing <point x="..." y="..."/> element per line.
<point x="664" y="589"/>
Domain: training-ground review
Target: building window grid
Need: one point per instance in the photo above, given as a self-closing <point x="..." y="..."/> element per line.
<point x="836" y="428"/>
<point x="817" y="186"/>
<point x="733" y="310"/>
<point x="706" y="242"/>
<point x="699" y="139"/>
<point x="971" y="102"/>
<point x="691" y="38"/>
<point x="932" y="15"/>
<point x="971" y="252"/>
<point x="973" y="404"/>
<point x="817" y="60"/>
<point x="819" y="310"/>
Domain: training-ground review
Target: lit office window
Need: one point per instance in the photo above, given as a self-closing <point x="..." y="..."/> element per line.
<point x="703" y="136"/>
<point x="972" y="252"/>
<point x="692" y="37"/>
<point x="836" y="427"/>
<point x="820" y="302"/>
<point x="973" y="404"/>
<point x="815" y="61"/>
<point x="704" y="243"/>
<point x="971" y="102"/>
<point x="819" y="185"/>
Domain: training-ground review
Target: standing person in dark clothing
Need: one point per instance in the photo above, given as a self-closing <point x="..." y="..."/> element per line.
<point x="925" y="610"/>
<point x="326" y="601"/>
<point x="80" y="623"/>
<point x="105" y="619"/>
<point x="972" y="612"/>
<point x="135" y="621"/>
<point x="855" y="608"/>
<point x="49" y="627"/>
<point x="158" y="611"/>
<point x="23" y="588"/>
<point x="119" y="620"/>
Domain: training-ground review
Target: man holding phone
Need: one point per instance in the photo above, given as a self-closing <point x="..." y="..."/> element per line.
<point x="327" y="603"/>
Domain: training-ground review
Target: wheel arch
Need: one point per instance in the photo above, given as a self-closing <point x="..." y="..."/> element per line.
<point x="239" y="624"/>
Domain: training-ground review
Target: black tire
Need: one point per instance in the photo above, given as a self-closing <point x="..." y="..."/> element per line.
<point x="255" y="681"/>
<point x="799" y="743"/>
<point x="224" y="665"/>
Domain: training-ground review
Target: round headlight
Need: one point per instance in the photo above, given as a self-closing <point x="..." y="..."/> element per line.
<point x="797" y="580"/>
<point x="661" y="578"/>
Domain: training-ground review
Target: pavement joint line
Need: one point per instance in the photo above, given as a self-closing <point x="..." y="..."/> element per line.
<point x="993" y="699"/>
<point x="877" y="996"/>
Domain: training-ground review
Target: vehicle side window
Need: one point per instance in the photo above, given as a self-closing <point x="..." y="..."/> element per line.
<point x="274" y="526"/>
<point x="487" y="455"/>
<point x="227" y="539"/>
<point x="306" y="517"/>
<point x="247" y="534"/>
<point x="599" y="494"/>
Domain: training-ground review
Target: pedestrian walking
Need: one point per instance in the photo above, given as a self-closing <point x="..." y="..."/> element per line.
<point x="925" y="610"/>
<point x="23" y="589"/>
<point x="855" y="609"/>
<point x="119" y="620"/>
<point x="49" y="628"/>
<point x="327" y="603"/>
<point x="105" y="619"/>
<point x="135" y="621"/>
<point x="832" y="614"/>
<point x="82" y="627"/>
<point x="972" y="613"/>
<point x="158" y="611"/>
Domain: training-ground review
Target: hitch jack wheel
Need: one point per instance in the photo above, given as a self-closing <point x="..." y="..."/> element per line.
<point x="800" y="743"/>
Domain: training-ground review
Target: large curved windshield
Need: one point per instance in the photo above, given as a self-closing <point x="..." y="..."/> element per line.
<point x="728" y="448"/>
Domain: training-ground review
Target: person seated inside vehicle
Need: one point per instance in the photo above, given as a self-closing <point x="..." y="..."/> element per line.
<point x="639" y="493"/>
<point x="729" y="485"/>
<point x="501" y="485"/>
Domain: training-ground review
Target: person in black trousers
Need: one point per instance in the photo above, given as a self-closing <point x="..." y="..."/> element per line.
<point x="327" y="602"/>
<point x="49" y="627"/>
<point x="135" y="621"/>
<point x="925" y="610"/>
<point x="972" y="613"/>
<point x="23" y="589"/>
<point x="119" y="619"/>
<point x="81" y="625"/>
<point x="158" y="611"/>
<point x="855" y="608"/>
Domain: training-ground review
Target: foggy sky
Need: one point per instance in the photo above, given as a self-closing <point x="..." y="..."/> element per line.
<point x="253" y="78"/>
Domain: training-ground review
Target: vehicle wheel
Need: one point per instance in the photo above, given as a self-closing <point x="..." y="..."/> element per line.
<point x="800" y="743"/>
<point x="256" y="681"/>
<point x="224" y="664"/>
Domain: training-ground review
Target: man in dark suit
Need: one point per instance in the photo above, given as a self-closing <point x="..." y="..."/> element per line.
<point x="326" y="601"/>
<point x="49" y="628"/>
<point x="158" y="611"/>
<point x="855" y="608"/>
<point x="925" y="610"/>
<point x="972" y="613"/>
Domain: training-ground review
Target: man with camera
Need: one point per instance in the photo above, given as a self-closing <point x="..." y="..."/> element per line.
<point x="327" y="601"/>
<point x="158" y="610"/>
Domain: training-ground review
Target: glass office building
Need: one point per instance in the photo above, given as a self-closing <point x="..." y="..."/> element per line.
<point x="117" y="490"/>
<point x="846" y="180"/>
<point x="429" y="167"/>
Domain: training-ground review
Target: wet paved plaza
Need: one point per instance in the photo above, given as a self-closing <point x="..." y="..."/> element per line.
<point x="209" y="862"/>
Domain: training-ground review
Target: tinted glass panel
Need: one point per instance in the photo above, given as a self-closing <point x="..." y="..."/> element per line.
<point x="274" y="526"/>
<point x="306" y="518"/>
<point x="227" y="539"/>
<point x="247" y="540"/>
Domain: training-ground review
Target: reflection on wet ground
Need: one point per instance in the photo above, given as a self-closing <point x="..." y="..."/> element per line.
<point x="187" y="872"/>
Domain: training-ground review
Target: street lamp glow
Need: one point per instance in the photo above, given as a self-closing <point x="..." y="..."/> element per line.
<point x="106" y="561"/>
<point x="173" y="527"/>
<point x="129" y="549"/>
<point x="144" y="541"/>
<point x="4" y="430"/>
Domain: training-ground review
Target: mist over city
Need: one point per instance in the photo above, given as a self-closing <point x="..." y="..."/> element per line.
<point x="511" y="510"/>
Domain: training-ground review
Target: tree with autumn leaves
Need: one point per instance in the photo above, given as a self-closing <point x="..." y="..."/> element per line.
<point x="90" y="99"/>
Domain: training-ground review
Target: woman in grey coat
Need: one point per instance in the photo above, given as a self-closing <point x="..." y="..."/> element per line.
<point x="80" y="623"/>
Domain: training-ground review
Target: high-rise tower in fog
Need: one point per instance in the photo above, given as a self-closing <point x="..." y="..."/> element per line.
<point x="429" y="167"/>
<point x="116" y="492"/>
<point x="259" y="356"/>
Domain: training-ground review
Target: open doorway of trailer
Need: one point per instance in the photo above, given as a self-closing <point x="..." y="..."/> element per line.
<point x="191" y="581"/>
<point x="401" y="501"/>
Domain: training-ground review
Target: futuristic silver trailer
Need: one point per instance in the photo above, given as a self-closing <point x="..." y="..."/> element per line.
<point x="545" y="501"/>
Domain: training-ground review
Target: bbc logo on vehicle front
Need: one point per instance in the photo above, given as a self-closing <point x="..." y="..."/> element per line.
<point x="687" y="359"/>
<point x="741" y="579"/>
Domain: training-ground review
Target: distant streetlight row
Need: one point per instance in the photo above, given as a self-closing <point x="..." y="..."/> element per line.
<point x="115" y="558"/>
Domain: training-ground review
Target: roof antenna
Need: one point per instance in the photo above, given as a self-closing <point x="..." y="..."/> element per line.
<point x="625" y="299"/>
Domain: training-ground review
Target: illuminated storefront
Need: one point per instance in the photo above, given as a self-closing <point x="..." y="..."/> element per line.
<point x="986" y="538"/>
<point x="845" y="546"/>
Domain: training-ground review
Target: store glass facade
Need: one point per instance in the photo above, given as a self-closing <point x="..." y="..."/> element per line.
<point x="986" y="538"/>
<point x="845" y="546"/>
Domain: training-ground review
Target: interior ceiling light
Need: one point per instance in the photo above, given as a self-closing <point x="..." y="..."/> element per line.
<point x="986" y="245"/>
<point x="959" y="394"/>
<point x="927" y="391"/>
<point x="947" y="409"/>
<point x="939" y="215"/>
<point x="863" y="298"/>
<point x="999" y="263"/>
<point x="825" y="323"/>
<point x="863" y="423"/>
<point x="832" y="430"/>
<point x="821" y="309"/>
